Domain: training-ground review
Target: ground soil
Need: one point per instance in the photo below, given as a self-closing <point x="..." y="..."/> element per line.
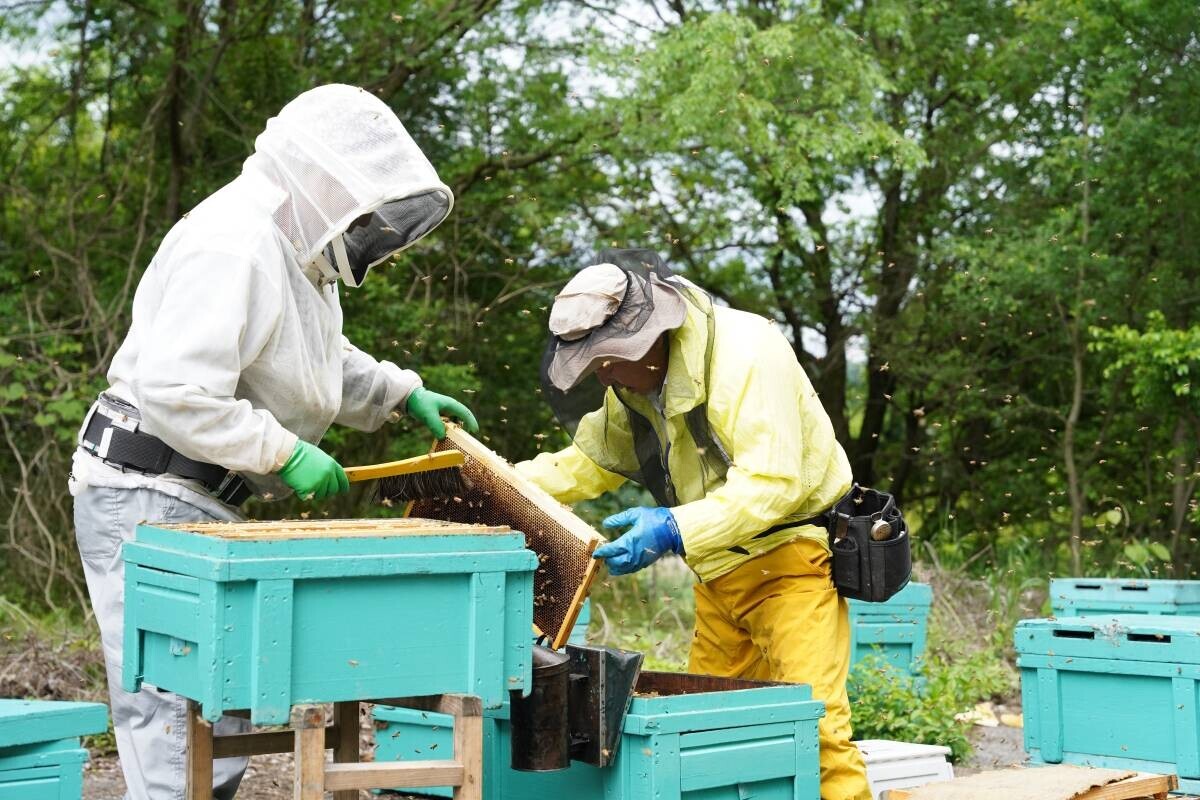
<point x="994" y="748"/>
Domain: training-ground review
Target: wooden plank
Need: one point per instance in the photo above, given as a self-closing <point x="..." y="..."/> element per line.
<point x="259" y="743"/>
<point x="332" y="528"/>
<point x="345" y="748"/>
<point x="288" y="534"/>
<point x="1132" y="788"/>
<point x="388" y="774"/>
<point x="457" y="705"/>
<point x="468" y="751"/>
<point x="1140" y="785"/>
<point x="309" y="724"/>
<point x="199" y="757"/>
<point x="577" y="601"/>
<point x="381" y="524"/>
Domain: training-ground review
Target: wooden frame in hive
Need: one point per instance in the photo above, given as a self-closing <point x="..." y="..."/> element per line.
<point x="499" y="495"/>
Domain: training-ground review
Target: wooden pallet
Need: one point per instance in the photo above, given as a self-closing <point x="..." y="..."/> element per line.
<point x="1057" y="782"/>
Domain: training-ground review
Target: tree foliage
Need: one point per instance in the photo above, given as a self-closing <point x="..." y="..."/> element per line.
<point x="975" y="220"/>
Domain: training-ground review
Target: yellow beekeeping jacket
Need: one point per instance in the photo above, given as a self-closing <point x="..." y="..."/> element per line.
<point x="785" y="462"/>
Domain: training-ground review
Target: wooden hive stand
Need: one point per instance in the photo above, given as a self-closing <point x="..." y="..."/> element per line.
<point x="309" y="737"/>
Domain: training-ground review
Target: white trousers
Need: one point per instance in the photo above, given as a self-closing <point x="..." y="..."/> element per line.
<point x="150" y="725"/>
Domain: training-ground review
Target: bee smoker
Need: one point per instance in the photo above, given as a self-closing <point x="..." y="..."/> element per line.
<point x="575" y="709"/>
<point x="541" y="741"/>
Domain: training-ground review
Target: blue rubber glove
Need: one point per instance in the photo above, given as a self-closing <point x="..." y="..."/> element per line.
<point x="654" y="533"/>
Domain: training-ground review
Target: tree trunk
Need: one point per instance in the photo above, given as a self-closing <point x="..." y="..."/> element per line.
<point x="177" y="109"/>
<point x="1184" y="470"/>
<point x="1074" y="484"/>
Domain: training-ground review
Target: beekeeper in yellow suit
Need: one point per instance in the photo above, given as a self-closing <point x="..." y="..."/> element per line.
<point x="708" y="409"/>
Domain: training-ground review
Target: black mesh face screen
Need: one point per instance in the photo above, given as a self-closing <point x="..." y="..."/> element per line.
<point x="393" y="226"/>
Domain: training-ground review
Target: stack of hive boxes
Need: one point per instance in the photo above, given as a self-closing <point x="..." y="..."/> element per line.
<point x="40" y="754"/>
<point x="1113" y="678"/>
<point x="894" y="631"/>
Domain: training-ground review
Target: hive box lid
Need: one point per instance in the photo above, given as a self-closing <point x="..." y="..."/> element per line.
<point x="30" y="721"/>
<point x="323" y="548"/>
<point x="1128" y="637"/>
<point x="883" y="751"/>
<point x="914" y="594"/>
<point x="1125" y="590"/>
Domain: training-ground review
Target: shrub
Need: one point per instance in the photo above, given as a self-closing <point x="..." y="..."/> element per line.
<point x="888" y="703"/>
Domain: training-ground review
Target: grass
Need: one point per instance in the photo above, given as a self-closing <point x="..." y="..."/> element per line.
<point x="650" y="611"/>
<point x="53" y="657"/>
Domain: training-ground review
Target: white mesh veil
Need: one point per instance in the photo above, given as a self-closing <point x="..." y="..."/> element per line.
<point x="339" y="152"/>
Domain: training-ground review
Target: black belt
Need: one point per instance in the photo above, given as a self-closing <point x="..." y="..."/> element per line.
<point x="132" y="449"/>
<point x="821" y="519"/>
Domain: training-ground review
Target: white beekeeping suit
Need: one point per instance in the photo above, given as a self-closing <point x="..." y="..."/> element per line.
<point x="236" y="347"/>
<point x="236" y="352"/>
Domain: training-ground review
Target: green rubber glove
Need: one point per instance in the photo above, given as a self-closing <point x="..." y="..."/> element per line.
<point x="428" y="407"/>
<point x="313" y="474"/>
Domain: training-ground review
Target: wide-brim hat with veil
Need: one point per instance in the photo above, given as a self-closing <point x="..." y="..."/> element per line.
<point x="615" y="309"/>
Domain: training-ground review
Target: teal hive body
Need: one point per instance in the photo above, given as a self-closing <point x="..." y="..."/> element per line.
<point x="1076" y="597"/>
<point x="895" y="631"/>
<point x="708" y="745"/>
<point x="40" y="756"/>
<point x="267" y="624"/>
<point x="1115" y="691"/>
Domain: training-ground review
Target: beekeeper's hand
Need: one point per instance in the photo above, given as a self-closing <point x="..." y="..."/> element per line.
<point x="428" y="407"/>
<point x="313" y="474"/>
<point x="653" y="534"/>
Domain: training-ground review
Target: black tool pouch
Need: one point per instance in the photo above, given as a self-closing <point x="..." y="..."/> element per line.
<point x="863" y="568"/>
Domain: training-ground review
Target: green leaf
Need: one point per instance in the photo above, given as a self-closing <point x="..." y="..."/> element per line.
<point x="1160" y="551"/>
<point x="1137" y="553"/>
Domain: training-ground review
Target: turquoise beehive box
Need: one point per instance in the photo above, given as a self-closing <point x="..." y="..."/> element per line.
<point x="264" y="616"/>
<point x="1113" y="691"/>
<point x="685" y="737"/>
<point x="895" y="631"/>
<point x="1077" y="597"/>
<point x="40" y="755"/>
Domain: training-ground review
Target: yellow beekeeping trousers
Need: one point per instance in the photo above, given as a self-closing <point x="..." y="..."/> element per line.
<point x="778" y="617"/>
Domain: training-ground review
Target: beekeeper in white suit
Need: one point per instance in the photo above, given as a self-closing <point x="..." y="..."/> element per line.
<point x="235" y="366"/>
